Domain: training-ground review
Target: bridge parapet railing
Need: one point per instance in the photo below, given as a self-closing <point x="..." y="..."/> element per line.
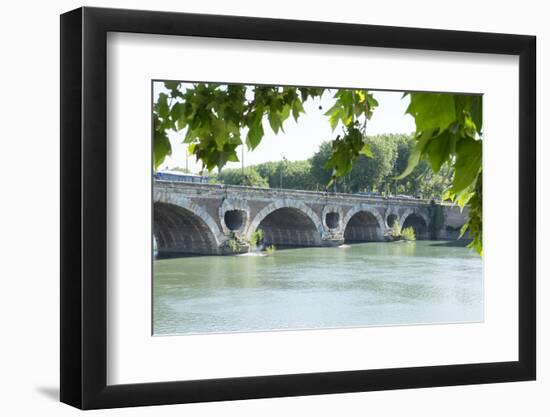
<point x="213" y="190"/>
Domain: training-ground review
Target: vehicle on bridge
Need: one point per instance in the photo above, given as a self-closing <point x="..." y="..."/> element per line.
<point x="369" y="193"/>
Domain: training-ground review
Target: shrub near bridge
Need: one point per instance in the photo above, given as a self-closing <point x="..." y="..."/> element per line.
<point x="397" y="233"/>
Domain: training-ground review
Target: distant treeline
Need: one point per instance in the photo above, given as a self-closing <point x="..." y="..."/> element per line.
<point x="391" y="154"/>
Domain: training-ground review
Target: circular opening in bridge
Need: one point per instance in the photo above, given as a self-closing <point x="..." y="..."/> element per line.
<point x="454" y="232"/>
<point x="234" y="219"/>
<point x="453" y="229"/>
<point x="391" y="220"/>
<point x="332" y="220"/>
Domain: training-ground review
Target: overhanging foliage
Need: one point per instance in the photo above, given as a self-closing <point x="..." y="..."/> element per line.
<point x="215" y="116"/>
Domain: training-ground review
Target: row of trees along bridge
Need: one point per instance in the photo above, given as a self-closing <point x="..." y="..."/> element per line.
<point x="376" y="174"/>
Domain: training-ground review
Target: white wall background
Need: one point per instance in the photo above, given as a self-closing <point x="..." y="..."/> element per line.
<point x="29" y="267"/>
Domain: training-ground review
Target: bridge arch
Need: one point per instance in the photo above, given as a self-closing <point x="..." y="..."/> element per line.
<point x="287" y="222"/>
<point x="182" y="226"/>
<point x="418" y="220"/>
<point x="363" y="223"/>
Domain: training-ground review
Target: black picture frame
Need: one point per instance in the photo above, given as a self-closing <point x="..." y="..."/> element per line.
<point x="84" y="207"/>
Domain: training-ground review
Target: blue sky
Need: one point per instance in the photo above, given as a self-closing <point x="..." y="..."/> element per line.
<point x="301" y="140"/>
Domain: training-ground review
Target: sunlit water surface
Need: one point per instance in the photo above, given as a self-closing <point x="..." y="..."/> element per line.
<point x="368" y="284"/>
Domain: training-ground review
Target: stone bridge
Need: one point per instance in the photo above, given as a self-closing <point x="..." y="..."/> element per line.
<point x="203" y="218"/>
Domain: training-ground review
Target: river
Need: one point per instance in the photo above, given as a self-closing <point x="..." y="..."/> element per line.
<point x="366" y="284"/>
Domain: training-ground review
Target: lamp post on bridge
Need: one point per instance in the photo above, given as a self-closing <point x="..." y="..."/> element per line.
<point x="242" y="159"/>
<point x="282" y="165"/>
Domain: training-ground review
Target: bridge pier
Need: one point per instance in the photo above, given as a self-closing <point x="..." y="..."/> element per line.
<point x="234" y="244"/>
<point x="332" y="238"/>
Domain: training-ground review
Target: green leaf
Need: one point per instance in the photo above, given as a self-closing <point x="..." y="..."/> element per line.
<point x="285" y="113"/>
<point x="467" y="164"/>
<point x="177" y="116"/>
<point x="232" y="157"/>
<point x="297" y="108"/>
<point x="416" y="153"/>
<point x="345" y="152"/>
<point x="162" y="106"/>
<point x="274" y="121"/>
<point x="173" y="87"/>
<point x="366" y="150"/>
<point x="476" y="112"/>
<point x="432" y="110"/>
<point x="372" y="102"/>
<point x="470" y="127"/>
<point x="463" y="230"/>
<point x="334" y="118"/>
<point x="255" y="135"/>
<point x="161" y="148"/>
<point x="464" y="197"/>
<point x="334" y="115"/>
<point x="219" y="132"/>
<point x="440" y="150"/>
<point x="190" y="136"/>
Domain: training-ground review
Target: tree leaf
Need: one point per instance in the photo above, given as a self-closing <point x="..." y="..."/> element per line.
<point x="432" y="110"/>
<point x="463" y="230"/>
<point x="440" y="149"/>
<point x="173" y="87"/>
<point x="334" y="115"/>
<point x="255" y="134"/>
<point x="162" y="106"/>
<point x="476" y="112"/>
<point x="470" y="127"/>
<point x="232" y="157"/>
<point x="274" y="121"/>
<point x="416" y="153"/>
<point x="161" y="148"/>
<point x="366" y="150"/>
<point x="464" y="197"/>
<point x="467" y="164"/>
<point x="297" y="108"/>
<point x="177" y="110"/>
<point x="284" y="114"/>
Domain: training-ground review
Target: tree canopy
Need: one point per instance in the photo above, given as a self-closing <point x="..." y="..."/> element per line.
<point x="249" y="177"/>
<point x="217" y="118"/>
<point x="377" y="174"/>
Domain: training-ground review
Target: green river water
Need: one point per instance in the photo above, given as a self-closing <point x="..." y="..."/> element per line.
<point x="367" y="284"/>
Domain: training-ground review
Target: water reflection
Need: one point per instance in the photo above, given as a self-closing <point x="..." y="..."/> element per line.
<point x="359" y="285"/>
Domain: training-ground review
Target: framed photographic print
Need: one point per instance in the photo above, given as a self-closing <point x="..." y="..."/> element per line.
<point x="256" y="208"/>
